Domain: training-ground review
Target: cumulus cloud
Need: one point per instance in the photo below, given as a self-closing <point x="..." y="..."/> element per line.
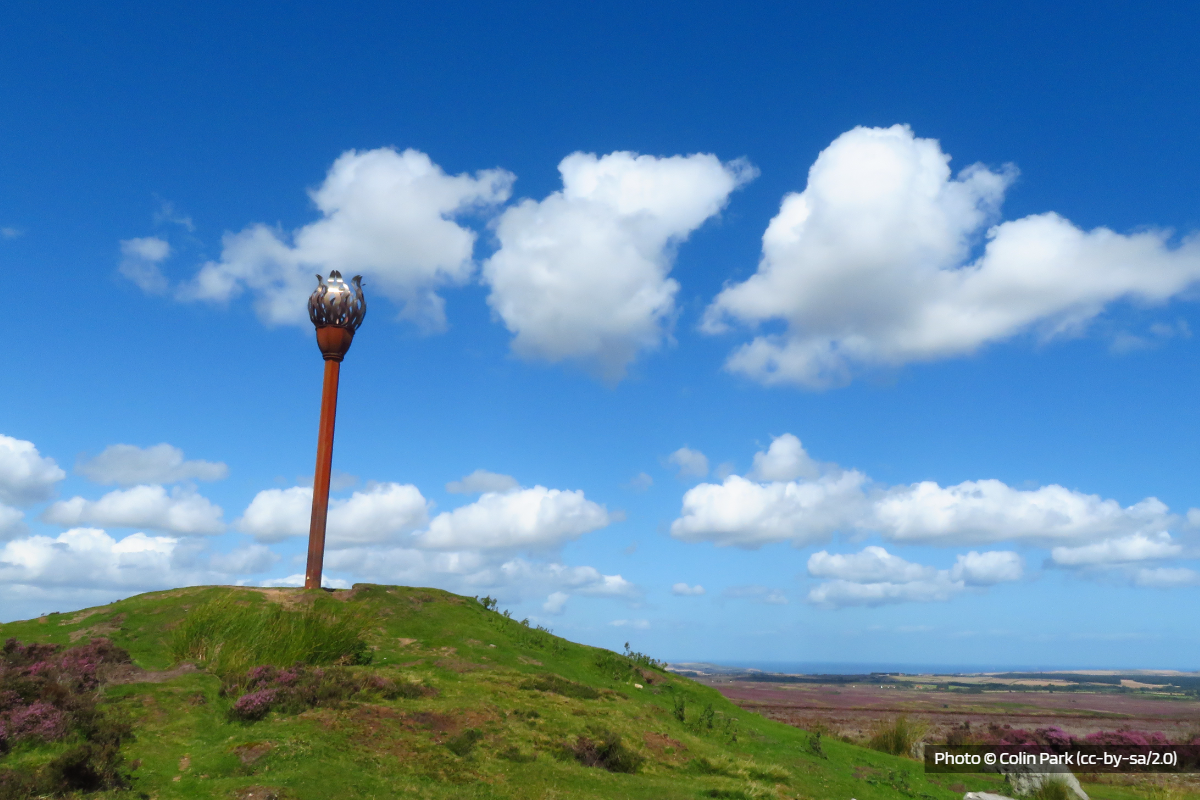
<point x="987" y="569"/>
<point x="475" y="571"/>
<point x="760" y="594"/>
<point x="636" y="624"/>
<point x="26" y="476"/>
<point x="807" y="510"/>
<point x="1138" y="547"/>
<point x="89" y="557"/>
<point x="182" y="510"/>
<point x="386" y="215"/>
<point x="82" y="561"/>
<point x="748" y="514"/>
<point x="991" y="511"/>
<point x="127" y="464"/>
<point x="537" y="518"/>
<point x="584" y="273"/>
<point x="482" y="481"/>
<point x="691" y="463"/>
<point x="1166" y="577"/>
<point x="380" y="513"/>
<point x="871" y="266"/>
<point x="875" y="577"/>
<point x="839" y="593"/>
<point x="245" y="560"/>
<point x="683" y="590"/>
<point x="297" y="580"/>
<point x="555" y="603"/>
<point x="139" y="263"/>
<point x="12" y="522"/>
<point x="871" y="565"/>
<point x="785" y="460"/>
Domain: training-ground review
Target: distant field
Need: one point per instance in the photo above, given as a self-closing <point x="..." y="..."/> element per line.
<point x="851" y="708"/>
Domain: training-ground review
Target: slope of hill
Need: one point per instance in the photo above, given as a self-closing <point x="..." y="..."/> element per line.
<point x="455" y="700"/>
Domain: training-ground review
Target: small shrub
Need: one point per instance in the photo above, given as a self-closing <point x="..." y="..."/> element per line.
<point x="705" y="720"/>
<point x="896" y="737"/>
<point x="254" y="706"/>
<point x="559" y="685"/>
<point x="464" y="743"/>
<point x="266" y="688"/>
<point x="607" y="752"/>
<point x="643" y="660"/>
<point x="679" y="708"/>
<point x="814" y="745"/>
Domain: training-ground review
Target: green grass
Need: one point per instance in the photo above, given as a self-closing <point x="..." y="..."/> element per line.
<point x="229" y="636"/>
<point x="505" y="711"/>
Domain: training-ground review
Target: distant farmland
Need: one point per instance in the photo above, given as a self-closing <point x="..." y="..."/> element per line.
<point x="1076" y="702"/>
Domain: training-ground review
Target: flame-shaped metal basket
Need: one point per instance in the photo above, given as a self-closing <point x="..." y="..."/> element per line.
<point x="336" y="304"/>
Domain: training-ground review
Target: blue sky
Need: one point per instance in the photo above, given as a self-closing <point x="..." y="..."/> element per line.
<point x="797" y="333"/>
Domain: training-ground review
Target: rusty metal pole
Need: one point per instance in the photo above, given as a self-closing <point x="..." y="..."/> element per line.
<point x="337" y="313"/>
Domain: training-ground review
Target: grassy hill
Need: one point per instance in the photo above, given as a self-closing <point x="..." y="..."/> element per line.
<point x="423" y="694"/>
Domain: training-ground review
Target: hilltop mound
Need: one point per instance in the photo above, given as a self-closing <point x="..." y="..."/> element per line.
<point x="384" y="691"/>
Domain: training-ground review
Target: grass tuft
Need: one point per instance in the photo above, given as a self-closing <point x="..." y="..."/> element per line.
<point x="896" y="737"/>
<point x="606" y="751"/>
<point x="229" y="637"/>
<point x="560" y="685"/>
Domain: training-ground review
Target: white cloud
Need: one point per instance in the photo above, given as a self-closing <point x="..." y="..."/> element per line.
<point x="683" y="590"/>
<point x="26" y="477"/>
<point x="748" y="513"/>
<point x="990" y="511"/>
<point x="839" y="593"/>
<point x="182" y="510"/>
<point x="987" y="569"/>
<point x="641" y="482"/>
<point x="297" y="580"/>
<point x="784" y="460"/>
<point x="89" y="557"/>
<point x="871" y="565"/>
<point x="1166" y="577"/>
<point x="583" y="274"/>
<point x="12" y="522"/>
<point x="381" y="513"/>
<point x="475" y="571"/>
<point x="277" y="514"/>
<point x="555" y="602"/>
<point x="127" y="464"/>
<point x="482" y="481"/>
<point x="537" y="518"/>
<point x="167" y="213"/>
<point x="869" y="266"/>
<point x="244" y="560"/>
<point x="691" y="463"/>
<point x="636" y="624"/>
<point x="1138" y="547"/>
<point x="875" y="577"/>
<point x="139" y="263"/>
<point x="9" y="232"/>
<point x="385" y="215"/>
<point x="82" y="561"/>
<point x="761" y="594"/>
